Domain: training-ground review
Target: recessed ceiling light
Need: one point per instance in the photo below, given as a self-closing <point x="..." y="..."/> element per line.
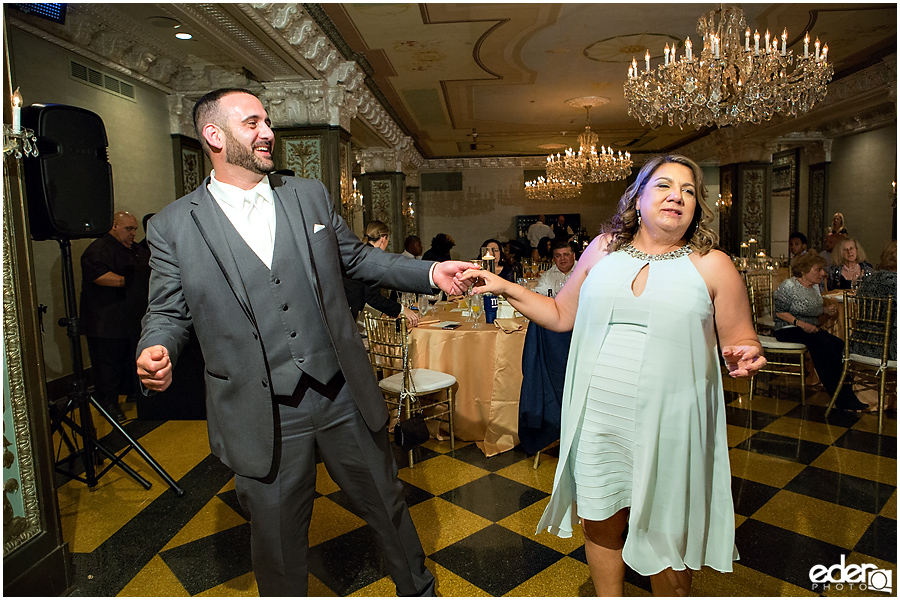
<point x="183" y="36"/>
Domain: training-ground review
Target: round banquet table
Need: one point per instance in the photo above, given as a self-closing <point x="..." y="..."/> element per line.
<point x="487" y="364"/>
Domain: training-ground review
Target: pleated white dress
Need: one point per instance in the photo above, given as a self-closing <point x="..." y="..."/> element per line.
<point x="642" y="417"/>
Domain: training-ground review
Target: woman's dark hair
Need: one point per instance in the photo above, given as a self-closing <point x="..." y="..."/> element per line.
<point x="543" y="248"/>
<point x="442" y="243"/>
<point x="624" y="224"/>
<point x="803" y="263"/>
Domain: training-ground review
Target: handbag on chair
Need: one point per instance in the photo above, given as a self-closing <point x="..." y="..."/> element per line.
<point x="412" y="432"/>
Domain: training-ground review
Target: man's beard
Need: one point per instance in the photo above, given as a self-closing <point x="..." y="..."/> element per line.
<point x="240" y="156"/>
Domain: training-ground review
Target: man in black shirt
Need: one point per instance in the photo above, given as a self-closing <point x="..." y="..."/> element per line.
<point x="115" y="276"/>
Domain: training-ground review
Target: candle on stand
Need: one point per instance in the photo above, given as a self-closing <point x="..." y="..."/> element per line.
<point x="667" y="55"/>
<point x="688" y="49"/>
<point x="784" y="42"/>
<point x="17" y="111"/>
<point x="756" y="43"/>
<point x="817" y="48"/>
<point x="824" y="52"/>
<point x="767" y="41"/>
<point x="744" y="249"/>
<point x="647" y="60"/>
<point x="747" y="41"/>
<point x="806" y="46"/>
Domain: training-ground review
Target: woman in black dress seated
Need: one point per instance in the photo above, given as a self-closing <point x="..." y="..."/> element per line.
<point x="848" y="265"/>
<point x="799" y="315"/>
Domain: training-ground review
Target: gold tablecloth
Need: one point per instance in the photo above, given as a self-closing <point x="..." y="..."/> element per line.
<point x="487" y="364"/>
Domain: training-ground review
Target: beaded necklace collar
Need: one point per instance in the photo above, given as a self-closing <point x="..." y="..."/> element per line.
<point x="635" y="253"/>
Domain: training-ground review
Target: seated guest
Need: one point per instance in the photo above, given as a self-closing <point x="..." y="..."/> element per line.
<point x="412" y="247"/>
<point x="831" y="241"/>
<point x="359" y="294"/>
<point x="797" y="245"/>
<point x="440" y="248"/>
<point x="882" y="284"/>
<point x="513" y="253"/>
<point x="798" y="316"/>
<point x="543" y="251"/>
<point x="848" y="265"/>
<point x="556" y="276"/>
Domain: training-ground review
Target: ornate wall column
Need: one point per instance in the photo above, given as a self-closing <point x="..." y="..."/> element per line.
<point x="384" y="189"/>
<point x="747" y="184"/>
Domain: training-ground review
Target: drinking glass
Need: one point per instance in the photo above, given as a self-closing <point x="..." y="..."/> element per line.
<point x="487" y="255"/>
<point x="424" y="305"/>
<point x="475" y="307"/>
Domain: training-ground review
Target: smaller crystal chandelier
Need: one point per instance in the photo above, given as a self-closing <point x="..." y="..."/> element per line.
<point x="589" y="164"/>
<point x="729" y="82"/>
<point x="353" y="202"/>
<point x="551" y="189"/>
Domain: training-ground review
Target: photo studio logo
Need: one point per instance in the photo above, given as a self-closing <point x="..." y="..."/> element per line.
<point x="865" y="577"/>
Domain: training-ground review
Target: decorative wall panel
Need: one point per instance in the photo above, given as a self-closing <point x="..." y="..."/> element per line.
<point x="752" y="192"/>
<point x="303" y="155"/>
<point x="786" y="179"/>
<point x="818" y="197"/>
<point x="382" y="207"/>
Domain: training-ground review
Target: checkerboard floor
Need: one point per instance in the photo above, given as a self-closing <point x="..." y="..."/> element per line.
<point x="806" y="490"/>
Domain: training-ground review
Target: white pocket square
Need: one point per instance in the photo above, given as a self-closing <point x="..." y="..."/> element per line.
<point x="317" y="228"/>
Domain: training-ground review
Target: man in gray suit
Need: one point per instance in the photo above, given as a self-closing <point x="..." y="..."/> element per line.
<point x="255" y="264"/>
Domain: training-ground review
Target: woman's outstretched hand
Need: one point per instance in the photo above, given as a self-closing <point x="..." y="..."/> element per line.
<point x="483" y="281"/>
<point x="743" y="361"/>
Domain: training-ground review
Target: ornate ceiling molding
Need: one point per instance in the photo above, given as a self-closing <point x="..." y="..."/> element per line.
<point x="491" y="162"/>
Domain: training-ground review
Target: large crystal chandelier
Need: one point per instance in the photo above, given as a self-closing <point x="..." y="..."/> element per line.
<point x="591" y="163"/>
<point x="551" y="189"/>
<point x="729" y="82"/>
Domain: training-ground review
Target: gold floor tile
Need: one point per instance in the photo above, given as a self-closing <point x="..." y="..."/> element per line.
<point x="810" y="431"/>
<point x="441" y="474"/>
<point x="317" y="589"/>
<point x="216" y="516"/>
<point x="383" y="588"/>
<point x="449" y="584"/>
<point x="737" y="435"/>
<point x="155" y="579"/>
<point x="738" y="519"/>
<point x="245" y="585"/>
<point x="890" y="507"/>
<point x="525" y="473"/>
<point x="858" y="464"/>
<point x="869" y="422"/>
<point x="567" y="578"/>
<point x="442" y="446"/>
<point x="762" y="468"/>
<point x="524" y="522"/>
<point x="730" y="384"/>
<point x="819" y="519"/>
<point x="741" y="582"/>
<point x="762" y="403"/>
<point x="175" y="459"/>
<point x="324" y="483"/>
<point x="330" y="520"/>
<point x="441" y="523"/>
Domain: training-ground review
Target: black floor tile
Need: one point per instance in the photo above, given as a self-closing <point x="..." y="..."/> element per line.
<point x="348" y="562"/>
<point x="871" y="443"/>
<point x="880" y="540"/>
<point x="494" y="497"/>
<point x="846" y="490"/>
<point x="781" y="553"/>
<point x="496" y="559"/>
<point x="774" y="386"/>
<point x="473" y="455"/>
<point x="816" y="414"/>
<point x="749" y="496"/>
<point x="637" y="580"/>
<point x="420" y="454"/>
<point x="750" y="419"/>
<point x="779" y="446"/>
<point x="211" y="560"/>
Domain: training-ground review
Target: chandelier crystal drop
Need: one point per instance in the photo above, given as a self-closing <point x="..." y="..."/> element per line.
<point x="730" y="82"/>
<point x="592" y="163"/>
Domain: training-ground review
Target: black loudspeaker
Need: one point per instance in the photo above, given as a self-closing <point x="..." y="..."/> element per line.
<point x="69" y="183"/>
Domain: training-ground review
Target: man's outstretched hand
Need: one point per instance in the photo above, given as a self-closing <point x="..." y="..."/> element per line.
<point x="447" y="276"/>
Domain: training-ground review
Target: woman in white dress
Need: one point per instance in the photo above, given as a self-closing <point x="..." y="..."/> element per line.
<point x="643" y="439"/>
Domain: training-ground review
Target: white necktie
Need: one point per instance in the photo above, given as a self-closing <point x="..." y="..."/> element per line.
<point x="259" y="225"/>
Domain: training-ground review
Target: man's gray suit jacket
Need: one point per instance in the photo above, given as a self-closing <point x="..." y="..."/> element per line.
<point x="195" y="281"/>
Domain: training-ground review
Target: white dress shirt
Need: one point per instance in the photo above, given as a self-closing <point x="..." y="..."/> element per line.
<point x="551" y="278"/>
<point x="537" y="231"/>
<point x="259" y="235"/>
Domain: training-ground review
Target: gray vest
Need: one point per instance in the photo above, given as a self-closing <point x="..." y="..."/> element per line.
<point x="293" y="330"/>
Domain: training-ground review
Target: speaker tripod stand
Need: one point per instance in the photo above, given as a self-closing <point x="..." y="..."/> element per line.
<point x="62" y="413"/>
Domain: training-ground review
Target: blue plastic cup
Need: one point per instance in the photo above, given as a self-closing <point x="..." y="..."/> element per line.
<point x="491" y="303"/>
